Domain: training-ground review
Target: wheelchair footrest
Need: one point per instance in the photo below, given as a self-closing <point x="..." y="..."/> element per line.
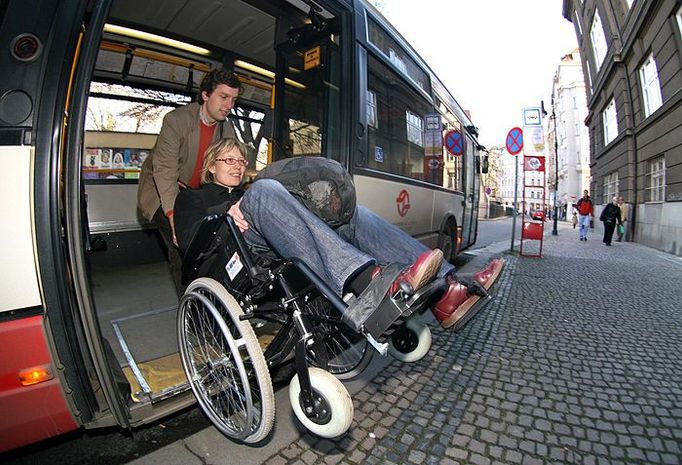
<point x="394" y="310"/>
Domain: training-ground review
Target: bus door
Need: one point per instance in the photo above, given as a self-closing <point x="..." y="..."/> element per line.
<point x="471" y="183"/>
<point x="309" y="89"/>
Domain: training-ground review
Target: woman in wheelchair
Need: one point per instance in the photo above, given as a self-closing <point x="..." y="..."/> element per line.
<point x="369" y="270"/>
<point x="348" y="258"/>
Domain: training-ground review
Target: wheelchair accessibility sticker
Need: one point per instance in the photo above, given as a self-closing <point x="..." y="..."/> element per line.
<point x="234" y="266"/>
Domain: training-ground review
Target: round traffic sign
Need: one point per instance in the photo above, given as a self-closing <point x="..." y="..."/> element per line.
<point x="514" y="141"/>
<point x="454" y="142"/>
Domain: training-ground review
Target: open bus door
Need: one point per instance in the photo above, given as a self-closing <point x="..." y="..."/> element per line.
<point x="309" y="90"/>
<point x="471" y="183"/>
<point x="112" y="387"/>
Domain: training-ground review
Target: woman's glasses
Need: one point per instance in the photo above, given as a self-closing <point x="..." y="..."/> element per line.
<point x="231" y="161"/>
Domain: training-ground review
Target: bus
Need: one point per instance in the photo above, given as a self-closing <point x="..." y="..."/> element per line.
<point x="87" y="318"/>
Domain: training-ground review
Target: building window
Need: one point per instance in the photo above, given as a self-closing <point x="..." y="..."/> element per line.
<point x="372" y="119"/>
<point x="656" y="179"/>
<point x="610" y="186"/>
<point x="598" y="37"/>
<point x="651" y="89"/>
<point x="415" y="128"/>
<point x="610" y="120"/>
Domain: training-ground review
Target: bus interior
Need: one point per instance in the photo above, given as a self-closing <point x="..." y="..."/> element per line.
<point x="150" y="58"/>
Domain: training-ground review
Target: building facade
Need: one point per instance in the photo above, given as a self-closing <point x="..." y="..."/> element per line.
<point x="569" y="111"/>
<point x="632" y="66"/>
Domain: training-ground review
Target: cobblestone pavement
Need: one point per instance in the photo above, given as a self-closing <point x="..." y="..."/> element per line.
<point x="577" y="360"/>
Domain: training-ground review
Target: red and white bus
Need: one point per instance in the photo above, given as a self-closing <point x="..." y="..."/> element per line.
<point x="87" y="316"/>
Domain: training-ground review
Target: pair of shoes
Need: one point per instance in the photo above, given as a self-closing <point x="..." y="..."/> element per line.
<point x="420" y="273"/>
<point x="460" y="296"/>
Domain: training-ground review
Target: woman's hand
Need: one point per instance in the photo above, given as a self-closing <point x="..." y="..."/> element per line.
<point x="238" y="217"/>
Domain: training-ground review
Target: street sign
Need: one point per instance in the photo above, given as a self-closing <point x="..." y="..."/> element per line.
<point x="532" y="117"/>
<point x="514" y="141"/>
<point x="454" y="142"/>
<point x="534" y="163"/>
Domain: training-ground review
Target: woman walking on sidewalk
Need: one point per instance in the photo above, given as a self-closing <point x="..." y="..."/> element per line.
<point x="610" y="216"/>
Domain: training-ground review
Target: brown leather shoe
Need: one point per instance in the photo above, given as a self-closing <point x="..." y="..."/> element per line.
<point x="458" y="300"/>
<point x="421" y="272"/>
<point x="487" y="276"/>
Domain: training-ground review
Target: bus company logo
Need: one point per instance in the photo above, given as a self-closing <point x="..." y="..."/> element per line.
<point x="403" y="202"/>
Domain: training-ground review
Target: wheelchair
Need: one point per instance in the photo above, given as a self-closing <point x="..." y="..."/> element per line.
<point x="238" y="293"/>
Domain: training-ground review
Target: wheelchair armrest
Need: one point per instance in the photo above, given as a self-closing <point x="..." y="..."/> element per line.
<point x="244" y="251"/>
<point x="199" y="245"/>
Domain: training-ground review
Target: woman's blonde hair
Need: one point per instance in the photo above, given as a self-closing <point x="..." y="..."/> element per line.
<point x="213" y="152"/>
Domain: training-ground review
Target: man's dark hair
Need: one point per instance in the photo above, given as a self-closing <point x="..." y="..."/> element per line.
<point x="214" y="78"/>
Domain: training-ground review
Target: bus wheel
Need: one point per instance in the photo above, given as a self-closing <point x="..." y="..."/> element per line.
<point x="447" y="242"/>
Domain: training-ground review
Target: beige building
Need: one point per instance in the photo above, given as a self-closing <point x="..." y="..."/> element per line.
<point x="569" y="110"/>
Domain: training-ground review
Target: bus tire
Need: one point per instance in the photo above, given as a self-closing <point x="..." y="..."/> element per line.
<point x="447" y="240"/>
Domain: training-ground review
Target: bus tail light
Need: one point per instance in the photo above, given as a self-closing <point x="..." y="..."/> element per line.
<point x="35" y="375"/>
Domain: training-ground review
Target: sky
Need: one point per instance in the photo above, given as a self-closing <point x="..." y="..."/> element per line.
<point x="495" y="56"/>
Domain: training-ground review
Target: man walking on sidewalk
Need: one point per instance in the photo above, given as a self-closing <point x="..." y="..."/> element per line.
<point x="585" y="211"/>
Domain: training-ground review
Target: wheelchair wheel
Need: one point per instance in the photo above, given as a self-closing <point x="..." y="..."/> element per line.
<point x="224" y="362"/>
<point x="333" y="412"/>
<point x="348" y="351"/>
<point x="411" y="341"/>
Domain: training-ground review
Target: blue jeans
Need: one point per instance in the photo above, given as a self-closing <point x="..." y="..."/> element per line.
<point x="584" y="222"/>
<point x="280" y="222"/>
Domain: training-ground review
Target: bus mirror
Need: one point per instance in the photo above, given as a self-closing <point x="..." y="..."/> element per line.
<point x="484" y="164"/>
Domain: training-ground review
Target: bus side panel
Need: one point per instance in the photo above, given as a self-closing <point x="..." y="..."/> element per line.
<point x="447" y="205"/>
<point x="29" y="413"/>
<point x="19" y="283"/>
<point x="408" y="207"/>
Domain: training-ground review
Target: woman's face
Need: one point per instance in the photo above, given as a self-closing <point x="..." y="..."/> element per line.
<point x="229" y="168"/>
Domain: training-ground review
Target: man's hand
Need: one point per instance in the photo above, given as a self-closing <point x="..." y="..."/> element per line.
<point x="238" y="217"/>
<point x="171" y="220"/>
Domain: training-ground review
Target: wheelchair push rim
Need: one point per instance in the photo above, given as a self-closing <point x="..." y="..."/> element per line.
<point x="224" y="362"/>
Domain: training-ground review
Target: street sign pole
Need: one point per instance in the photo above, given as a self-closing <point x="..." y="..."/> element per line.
<point x="514" y="145"/>
<point x="516" y="195"/>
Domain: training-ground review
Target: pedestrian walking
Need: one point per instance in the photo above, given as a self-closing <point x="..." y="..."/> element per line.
<point x="624" y="210"/>
<point x="585" y="211"/>
<point x="574" y="218"/>
<point x="610" y="216"/>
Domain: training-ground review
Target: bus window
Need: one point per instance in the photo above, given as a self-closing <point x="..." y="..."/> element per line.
<point x="396" y="139"/>
<point x="310" y="115"/>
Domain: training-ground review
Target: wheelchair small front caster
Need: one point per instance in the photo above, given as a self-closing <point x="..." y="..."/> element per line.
<point x="330" y="413"/>
<point x="411" y="341"/>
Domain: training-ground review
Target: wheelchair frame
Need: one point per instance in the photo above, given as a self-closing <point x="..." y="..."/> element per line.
<point x="318" y="398"/>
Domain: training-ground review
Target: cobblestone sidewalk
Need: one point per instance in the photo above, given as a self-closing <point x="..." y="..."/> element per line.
<point x="577" y="360"/>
